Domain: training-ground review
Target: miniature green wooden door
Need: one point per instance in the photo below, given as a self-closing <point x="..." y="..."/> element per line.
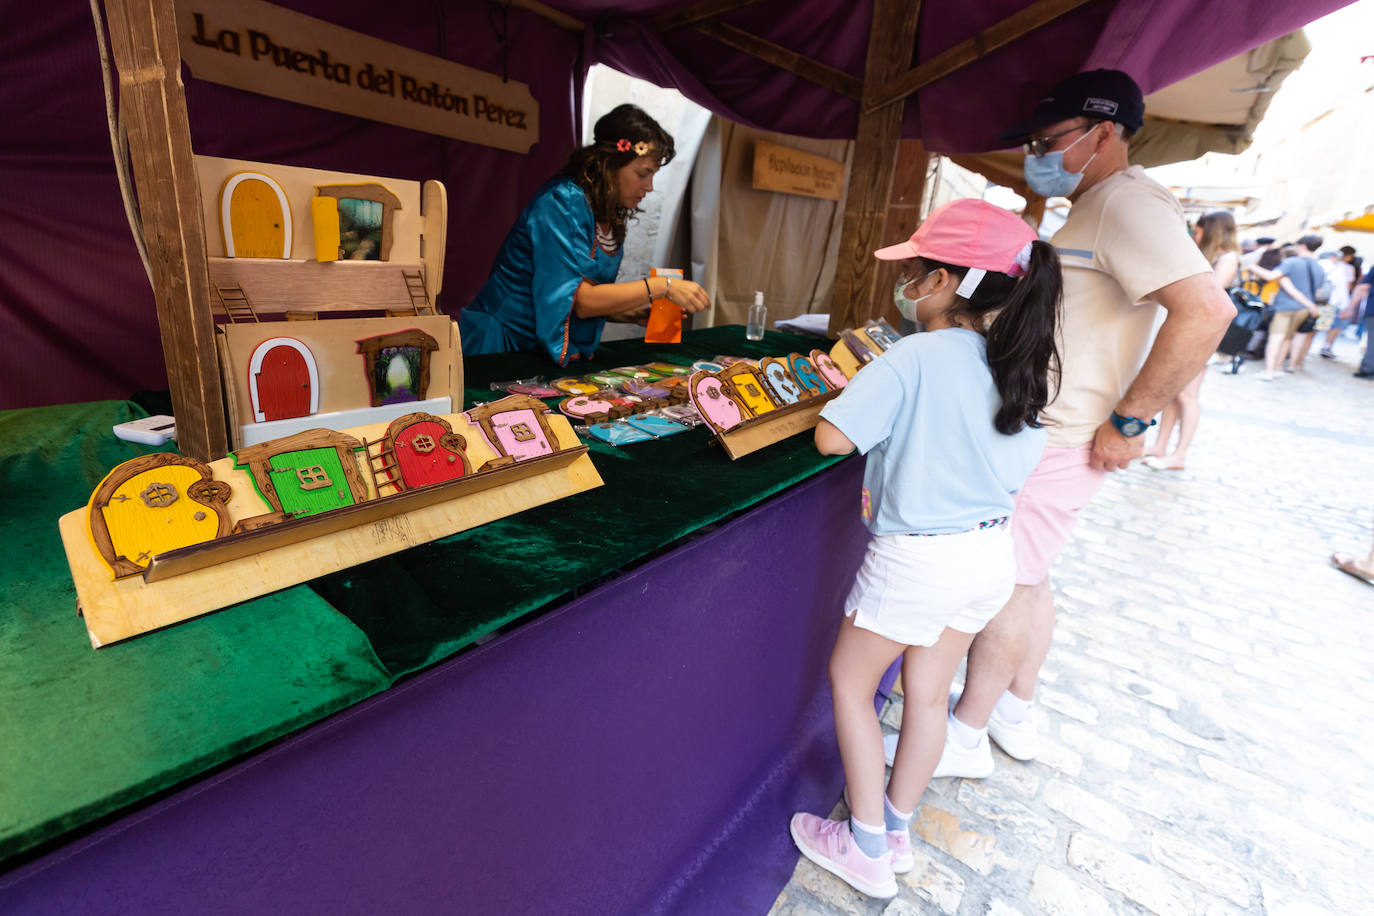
<point x="310" y="481"/>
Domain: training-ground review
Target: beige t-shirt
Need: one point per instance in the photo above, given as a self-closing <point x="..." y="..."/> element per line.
<point x="1124" y="239"/>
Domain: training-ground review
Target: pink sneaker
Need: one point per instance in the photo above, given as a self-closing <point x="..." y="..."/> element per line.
<point x="899" y="844"/>
<point x="829" y="845"/>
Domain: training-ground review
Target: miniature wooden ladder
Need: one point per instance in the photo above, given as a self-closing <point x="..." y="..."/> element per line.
<point x="235" y="302"/>
<point x="419" y="296"/>
<point x="382" y="464"/>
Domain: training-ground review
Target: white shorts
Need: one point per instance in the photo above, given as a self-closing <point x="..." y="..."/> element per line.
<point x="910" y="588"/>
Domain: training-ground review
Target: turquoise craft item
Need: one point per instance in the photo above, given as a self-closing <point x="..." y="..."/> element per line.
<point x="658" y="427"/>
<point x="618" y="433"/>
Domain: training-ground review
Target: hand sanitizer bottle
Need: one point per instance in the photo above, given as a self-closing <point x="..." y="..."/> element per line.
<point x="758" y="317"/>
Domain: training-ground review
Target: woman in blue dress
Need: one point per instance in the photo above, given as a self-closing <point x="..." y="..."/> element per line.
<point x="553" y="285"/>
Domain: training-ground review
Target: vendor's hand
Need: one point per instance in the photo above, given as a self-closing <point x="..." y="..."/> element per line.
<point x="690" y="296"/>
<point x="1113" y="451"/>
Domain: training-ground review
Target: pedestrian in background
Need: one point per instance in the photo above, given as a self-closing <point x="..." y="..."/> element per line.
<point x="1341" y="273"/>
<point x="1215" y="234"/>
<point x="1298" y="275"/>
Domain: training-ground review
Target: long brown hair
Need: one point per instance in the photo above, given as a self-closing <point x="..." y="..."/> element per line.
<point x="1023" y="356"/>
<point x="613" y="146"/>
<point x="1218" y="235"/>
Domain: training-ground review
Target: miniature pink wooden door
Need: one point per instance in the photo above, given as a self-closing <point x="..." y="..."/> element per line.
<point x="715" y="406"/>
<point x="283" y="384"/>
<point x="519" y="434"/>
<point x="833" y="375"/>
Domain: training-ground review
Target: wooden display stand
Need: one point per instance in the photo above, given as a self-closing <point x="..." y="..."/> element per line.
<point x="760" y="432"/>
<point x="194" y="580"/>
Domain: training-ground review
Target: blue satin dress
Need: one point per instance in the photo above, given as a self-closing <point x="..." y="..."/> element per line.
<point x="527" y="301"/>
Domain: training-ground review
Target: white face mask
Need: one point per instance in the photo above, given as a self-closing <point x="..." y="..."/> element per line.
<point x="904" y="305"/>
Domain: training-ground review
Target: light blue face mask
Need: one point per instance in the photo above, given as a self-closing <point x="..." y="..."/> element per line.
<point x="904" y="305"/>
<point x="1047" y="176"/>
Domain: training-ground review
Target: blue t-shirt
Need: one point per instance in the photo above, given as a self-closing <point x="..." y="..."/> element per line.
<point x="922" y="413"/>
<point x="1306" y="274"/>
<point x="527" y="301"/>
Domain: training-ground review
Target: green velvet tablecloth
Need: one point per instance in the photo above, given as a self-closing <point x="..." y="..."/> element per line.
<point x="85" y="733"/>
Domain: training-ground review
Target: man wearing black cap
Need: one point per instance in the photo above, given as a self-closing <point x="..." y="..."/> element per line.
<point x="1127" y="257"/>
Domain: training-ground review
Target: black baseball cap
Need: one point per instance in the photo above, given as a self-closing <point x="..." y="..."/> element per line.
<point x="1108" y="95"/>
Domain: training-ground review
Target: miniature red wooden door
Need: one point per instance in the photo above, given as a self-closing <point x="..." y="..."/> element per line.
<point x="423" y="456"/>
<point x="283" y="380"/>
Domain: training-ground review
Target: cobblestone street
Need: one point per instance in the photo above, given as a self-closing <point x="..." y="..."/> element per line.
<point x="1207" y="703"/>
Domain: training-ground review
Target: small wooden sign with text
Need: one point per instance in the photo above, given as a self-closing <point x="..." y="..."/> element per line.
<point x="777" y="168"/>
<point x="259" y="47"/>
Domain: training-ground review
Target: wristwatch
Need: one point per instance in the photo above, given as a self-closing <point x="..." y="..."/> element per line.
<point x="1130" y="426"/>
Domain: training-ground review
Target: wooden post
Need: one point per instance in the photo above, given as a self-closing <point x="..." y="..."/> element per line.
<point x="903" y="216"/>
<point x="891" y="42"/>
<point x="144" y="41"/>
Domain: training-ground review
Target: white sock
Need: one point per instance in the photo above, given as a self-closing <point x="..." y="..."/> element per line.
<point x="967" y="736"/>
<point x="1012" y="708"/>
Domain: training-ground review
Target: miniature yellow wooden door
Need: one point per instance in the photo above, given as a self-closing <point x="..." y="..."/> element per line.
<point x="150" y="513"/>
<point x="255" y="217"/>
<point x="750" y="391"/>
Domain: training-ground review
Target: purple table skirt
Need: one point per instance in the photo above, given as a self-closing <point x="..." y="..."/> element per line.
<point x="636" y="751"/>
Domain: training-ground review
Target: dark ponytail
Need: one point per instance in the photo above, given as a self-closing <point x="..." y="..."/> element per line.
<point x="1022" y="351"/>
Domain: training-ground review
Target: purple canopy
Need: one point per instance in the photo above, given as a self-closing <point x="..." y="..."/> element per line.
<point x="76" y="310"/>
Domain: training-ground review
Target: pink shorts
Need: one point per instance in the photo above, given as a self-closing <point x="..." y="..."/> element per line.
<point x="1048" y="505"/>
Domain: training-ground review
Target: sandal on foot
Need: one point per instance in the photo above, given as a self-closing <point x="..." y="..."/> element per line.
<point x="1348" y="566"/>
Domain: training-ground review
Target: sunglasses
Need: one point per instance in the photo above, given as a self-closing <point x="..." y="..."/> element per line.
<point x="1039" y="146"/>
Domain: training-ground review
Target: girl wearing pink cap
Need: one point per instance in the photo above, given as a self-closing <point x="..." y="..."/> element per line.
<point x="949" y="423"/>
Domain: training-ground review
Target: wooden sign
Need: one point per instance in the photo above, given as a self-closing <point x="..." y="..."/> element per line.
<point x="253" y="45"/>
<point x="777" y="168"/>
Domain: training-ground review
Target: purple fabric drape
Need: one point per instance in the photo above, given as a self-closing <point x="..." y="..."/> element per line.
<point x="636" y="751"/>
<point x="77" y="320"/>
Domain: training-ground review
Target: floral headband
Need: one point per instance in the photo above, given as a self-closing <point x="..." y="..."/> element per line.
<point x="640" y="149"/>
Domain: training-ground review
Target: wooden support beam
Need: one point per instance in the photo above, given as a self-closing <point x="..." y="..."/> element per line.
<point x="697" y="12"/>
<point x="903" y="217"/>
<point x="890" y="42"/>
<point x="961" y="55"/>
<point x="835" y="80"/>
<point x="143" y="38"/>
<point x="557" y="17"/>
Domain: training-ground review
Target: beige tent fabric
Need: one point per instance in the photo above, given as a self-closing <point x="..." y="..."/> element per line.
<point x="1215" y="110"/>
<point x="784" y="244"/>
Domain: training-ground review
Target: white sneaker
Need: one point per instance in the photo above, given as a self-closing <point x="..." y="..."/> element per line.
<point x="955" y="760"/>
<point x="965" y="762"/>
<point x="1019" y="739"/>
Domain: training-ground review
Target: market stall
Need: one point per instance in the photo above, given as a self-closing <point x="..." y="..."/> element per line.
<point x="321" y="746"/>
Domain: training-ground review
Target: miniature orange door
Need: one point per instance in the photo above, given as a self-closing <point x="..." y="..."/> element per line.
<point x="283" y="384"/>
<point x="750" y="390"/>
<point x="425" y="455"/>
<point x="150" y="513"/>
<point x="258" y="224"/>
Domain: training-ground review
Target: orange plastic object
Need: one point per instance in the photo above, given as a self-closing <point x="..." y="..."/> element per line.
<point x="665" y="323"/>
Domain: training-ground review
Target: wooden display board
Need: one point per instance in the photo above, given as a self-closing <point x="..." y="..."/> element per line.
<point x="182" y="584"/>
<point x="791" y="171"/>
<point x="760" y="432"/>
<point x="265" y="48"/>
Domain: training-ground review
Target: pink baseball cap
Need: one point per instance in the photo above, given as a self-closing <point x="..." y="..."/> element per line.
<point x="969" y="233"/>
